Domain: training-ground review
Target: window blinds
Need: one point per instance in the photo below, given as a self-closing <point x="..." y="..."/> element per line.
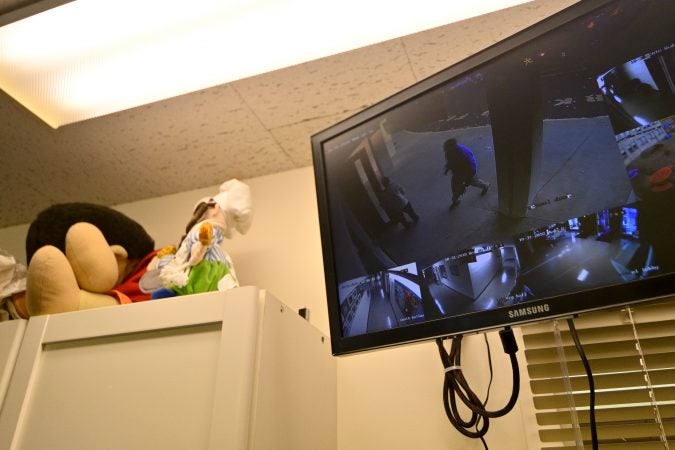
<point x="631" y="352"/>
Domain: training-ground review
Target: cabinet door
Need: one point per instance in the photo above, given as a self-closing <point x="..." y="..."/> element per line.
<point x="11" y="334"/>
<point x="171" y="374"/>
<point x="295" y="403"/>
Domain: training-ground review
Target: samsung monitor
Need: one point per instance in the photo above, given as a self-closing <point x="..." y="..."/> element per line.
<point x="534" y="179"/>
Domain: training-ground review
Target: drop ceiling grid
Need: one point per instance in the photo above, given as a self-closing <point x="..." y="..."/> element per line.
<point x="296" y="137"/>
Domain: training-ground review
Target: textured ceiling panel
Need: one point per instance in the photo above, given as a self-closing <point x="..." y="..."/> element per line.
<point x="11" y="5"/>
<point x="342" y="83"/>
<point x="436" y="49"/>
<point x="248" y="128"/>
<point x="296" y="137"/>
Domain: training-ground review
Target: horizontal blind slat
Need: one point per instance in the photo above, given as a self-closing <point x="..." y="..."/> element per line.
<point x="643" y="431"/>
<point x="599" y="335"/>
<point x="620" y="397"/>
<point x="653" y="311"/>
<point x="606" y="365"/>
<point x="546" y="355"/>
<point x="651" y="445"/>
<point x="603" y="381"/>
<point x="617" y="349"/>
<point x="619" y="414"/>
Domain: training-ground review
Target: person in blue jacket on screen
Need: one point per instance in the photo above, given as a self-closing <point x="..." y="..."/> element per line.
<point x="460" y="160"/>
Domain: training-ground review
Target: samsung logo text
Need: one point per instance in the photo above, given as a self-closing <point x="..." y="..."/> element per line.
<point x="529" y="311"/>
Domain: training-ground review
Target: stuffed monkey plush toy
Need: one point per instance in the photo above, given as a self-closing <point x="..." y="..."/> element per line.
<point x="83" y="255"/>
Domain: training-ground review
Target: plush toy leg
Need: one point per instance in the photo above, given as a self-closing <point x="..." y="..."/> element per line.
<point x="51" y="286"/>
<point x="90" y="300"/>
<point x="91" y="258"/>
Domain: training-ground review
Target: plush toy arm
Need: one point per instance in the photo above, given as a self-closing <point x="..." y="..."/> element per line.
<point x="200" y="247"/>
<point x="122" y="259"/>
<point x="119" y="252"/>
<point x="196" y="253"/>
<point x="175" y="272"/>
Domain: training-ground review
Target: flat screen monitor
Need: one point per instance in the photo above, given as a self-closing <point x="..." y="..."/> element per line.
<point x="534" y="179"/>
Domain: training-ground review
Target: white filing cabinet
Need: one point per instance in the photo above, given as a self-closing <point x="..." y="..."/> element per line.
<point x="226" y="370"/>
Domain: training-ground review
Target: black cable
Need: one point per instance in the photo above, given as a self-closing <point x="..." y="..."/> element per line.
<point x="455" y="385"/>
<point x="591" y="383"/>
<point x="489" y="386"/>
<point x="489" y="355"/>
<point x="449" y="360"/>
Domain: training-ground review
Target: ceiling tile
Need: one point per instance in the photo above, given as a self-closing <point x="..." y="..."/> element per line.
<point x="296" y="138"/>
<point x="346" y="82"/>
<point x="434" y="50"/>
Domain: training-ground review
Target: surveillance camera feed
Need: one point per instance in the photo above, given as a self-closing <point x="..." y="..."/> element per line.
<point x="545" y="171"/>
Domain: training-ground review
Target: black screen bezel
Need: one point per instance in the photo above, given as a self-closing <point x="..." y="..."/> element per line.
<point x="565" y="305"/>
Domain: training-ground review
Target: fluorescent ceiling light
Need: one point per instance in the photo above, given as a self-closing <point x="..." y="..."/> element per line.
<point x="88" y="58"/>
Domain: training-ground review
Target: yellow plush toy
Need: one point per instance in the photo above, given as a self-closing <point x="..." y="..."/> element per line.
<point x="84" y="255"/>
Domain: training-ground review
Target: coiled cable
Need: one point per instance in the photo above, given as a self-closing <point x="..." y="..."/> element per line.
<point x="455" y="386"/>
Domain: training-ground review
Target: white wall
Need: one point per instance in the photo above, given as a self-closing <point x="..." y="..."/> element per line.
<point x="13" y="241"/>
<point x="386" y="399"/>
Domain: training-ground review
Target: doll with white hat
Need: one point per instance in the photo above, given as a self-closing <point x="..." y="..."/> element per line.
<point x="201" y="263"/>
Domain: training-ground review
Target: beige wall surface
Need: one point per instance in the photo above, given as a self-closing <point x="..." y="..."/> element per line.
<point x="13" y="241"/>
<point x="393" y="399"/>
